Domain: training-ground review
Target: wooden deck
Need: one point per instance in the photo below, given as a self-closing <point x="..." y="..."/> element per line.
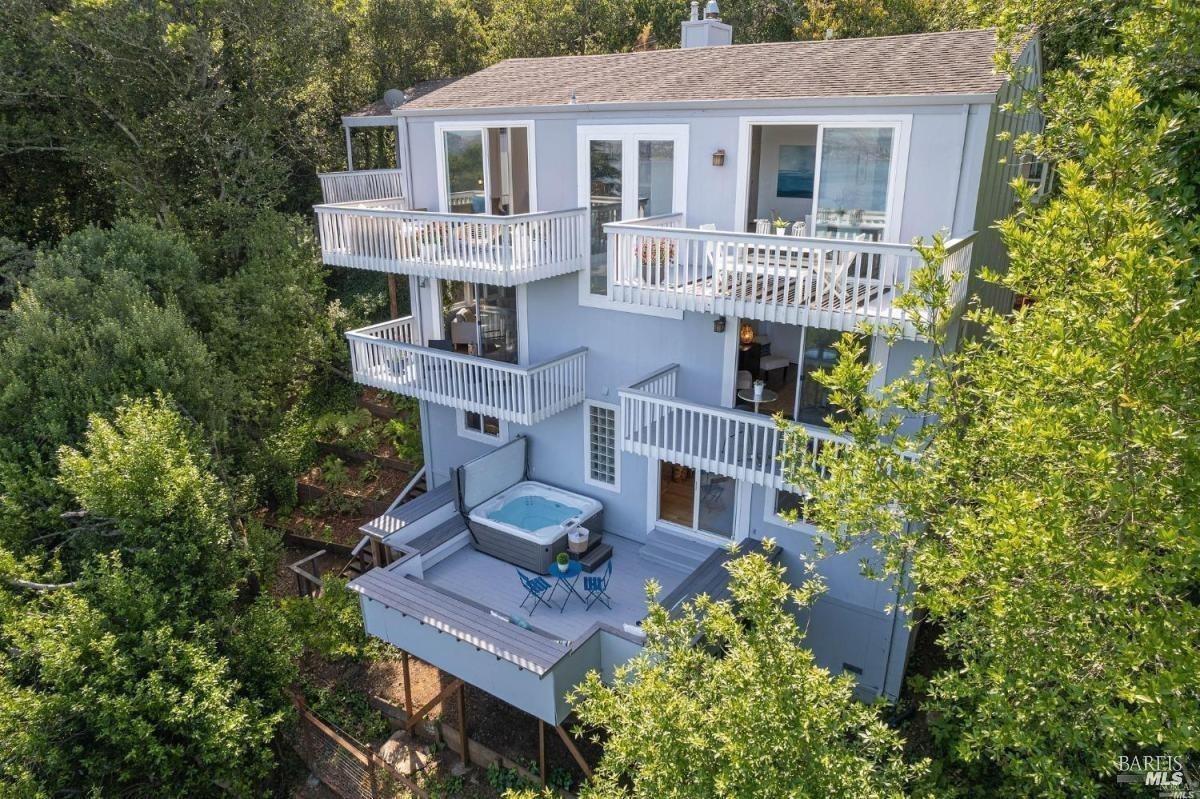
<point x="493" y="584"/>
<point x="711" y="578"/>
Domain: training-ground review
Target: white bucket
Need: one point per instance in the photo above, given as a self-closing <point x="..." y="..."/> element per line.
<point x="577" y="540"/>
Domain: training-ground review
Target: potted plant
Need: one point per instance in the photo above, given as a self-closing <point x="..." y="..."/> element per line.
<point x="780" y="226"/>
<point x="564" y="561"/>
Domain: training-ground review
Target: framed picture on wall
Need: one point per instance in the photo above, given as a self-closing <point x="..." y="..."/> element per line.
<point x="797" y="167"/>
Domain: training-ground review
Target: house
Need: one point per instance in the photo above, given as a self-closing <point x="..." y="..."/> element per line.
<point x="604" y="253"/>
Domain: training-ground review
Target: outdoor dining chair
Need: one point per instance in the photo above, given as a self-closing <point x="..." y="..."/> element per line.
<point x="597" y="588"/>
<point x="538" y="589"/>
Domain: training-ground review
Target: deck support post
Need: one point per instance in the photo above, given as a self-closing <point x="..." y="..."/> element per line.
<point x="462" y="723"/>
<point x="393" y="296"/>
<point x="349" y="150"/>
<point x="542" y="751"/>
<point x="431" y="704"/>
<point x="408" y="709"/>
<point x="574" y="750"/>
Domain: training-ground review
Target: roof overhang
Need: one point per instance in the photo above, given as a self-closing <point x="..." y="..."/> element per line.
<point x="376" y="121"/>
<point x="859" y="101"/>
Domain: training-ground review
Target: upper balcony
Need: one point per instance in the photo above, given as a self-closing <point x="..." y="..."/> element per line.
<point x="734" y="443"/>
<point x="361" y="184"/>
<point x="390" y="356"/>
<point x="383" y="235"/>
<point x="833" y="283"/>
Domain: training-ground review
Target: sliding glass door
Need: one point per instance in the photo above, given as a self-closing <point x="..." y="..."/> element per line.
<point x="696" y="500"/>
<point x="854" y="179"/>
<point x="464" y="178"/>
<point x="487" y="170"/>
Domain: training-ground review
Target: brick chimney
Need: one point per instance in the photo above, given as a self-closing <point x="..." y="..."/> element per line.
<point x="707" y="32"/>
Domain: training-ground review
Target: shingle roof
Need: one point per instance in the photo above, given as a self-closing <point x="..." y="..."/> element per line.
<point x="954" y="62"/>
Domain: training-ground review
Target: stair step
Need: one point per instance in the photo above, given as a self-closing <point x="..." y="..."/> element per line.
<point x="596" y="556"/>
<point x="675" y="551"/>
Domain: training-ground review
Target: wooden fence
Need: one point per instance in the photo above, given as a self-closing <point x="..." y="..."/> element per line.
<point x="349" y="768"/>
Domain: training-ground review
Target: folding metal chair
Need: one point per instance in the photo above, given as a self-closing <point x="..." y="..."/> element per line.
<point x="537" y="588"/>
<point x="597" y="588"/>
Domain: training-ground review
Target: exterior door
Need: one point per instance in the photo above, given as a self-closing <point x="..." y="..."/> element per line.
<point x="627" y="172"/>
<point x="697" y="501"/>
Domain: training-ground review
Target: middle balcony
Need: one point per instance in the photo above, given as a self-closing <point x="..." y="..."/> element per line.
<point x="390" y="356"/>
<point x="384" y="236"/>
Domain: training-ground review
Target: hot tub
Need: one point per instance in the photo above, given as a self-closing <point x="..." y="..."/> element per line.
<point x="526" y="524"/>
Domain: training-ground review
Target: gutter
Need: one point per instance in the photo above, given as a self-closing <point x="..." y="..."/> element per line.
<point x="858" y="101"/>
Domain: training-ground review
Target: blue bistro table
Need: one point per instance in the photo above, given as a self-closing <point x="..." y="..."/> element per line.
<point x="566" y="579"/>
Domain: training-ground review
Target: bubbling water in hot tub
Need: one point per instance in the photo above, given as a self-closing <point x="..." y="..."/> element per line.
<point x="533" y="512"/>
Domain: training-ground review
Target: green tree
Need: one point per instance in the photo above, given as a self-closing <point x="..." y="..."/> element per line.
<point x="131" y="310"/>
<point x="126" y="680"/>
<point x="1050" y="521"/>
<point x="743" y="713"/>
<point x="188" y="112"/>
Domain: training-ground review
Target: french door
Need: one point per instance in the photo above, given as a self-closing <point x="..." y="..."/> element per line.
<point x="627" y="172"/>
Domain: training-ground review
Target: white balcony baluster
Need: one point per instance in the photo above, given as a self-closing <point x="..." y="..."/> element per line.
<point x="363" y="184"/>
<point x="737" y="444"/>
<point x="831" y="283"/>
<point x="497" y="250"/>
<point x="388" y="356"/>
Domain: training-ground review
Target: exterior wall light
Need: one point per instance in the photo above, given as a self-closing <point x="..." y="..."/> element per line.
<point x="719" y="158"/>
<point x="746" y="334"/>
<point x="719" y="324"/>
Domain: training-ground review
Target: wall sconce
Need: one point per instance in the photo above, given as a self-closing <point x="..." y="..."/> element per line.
<point x="719" y="324"/>
<point x="719" y="158"/>
<point x="746" y="334"/>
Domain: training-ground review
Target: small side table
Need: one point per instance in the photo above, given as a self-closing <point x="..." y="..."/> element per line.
<point x="567" y="580"/>
<point x="768" y="396"/>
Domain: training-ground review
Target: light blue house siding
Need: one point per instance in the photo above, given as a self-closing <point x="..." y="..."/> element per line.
<point x="853" y="624"/>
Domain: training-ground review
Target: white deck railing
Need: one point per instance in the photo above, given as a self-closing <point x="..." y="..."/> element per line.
<point x="744" y="446"/>
<point x="497" y="250"/>
<point x="363" y="184"/>
<point x="387" y="356"/>
<point x="832" y="283"/>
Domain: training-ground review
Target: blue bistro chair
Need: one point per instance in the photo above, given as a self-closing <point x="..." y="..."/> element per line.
<point x="597" y="588"/>
<point x="538" y="590"/>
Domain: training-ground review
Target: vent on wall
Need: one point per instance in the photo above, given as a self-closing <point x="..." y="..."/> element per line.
<point x="852" y="669"/>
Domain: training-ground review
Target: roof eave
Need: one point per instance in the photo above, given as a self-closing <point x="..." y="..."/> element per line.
<point x="372" y="121"/>
<point x="948" y="98"/>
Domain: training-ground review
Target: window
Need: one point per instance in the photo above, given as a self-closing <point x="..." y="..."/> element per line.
<point x="482" y="428"/>
<point x="486" y="170"/>
<point x="1036" y="174"/>
<point x="696" y="500"/>
<point x="779" y="501"/>
<point x="481" y="320"/>
<point x="820" y="354"/>
<point x="602" y="457"/>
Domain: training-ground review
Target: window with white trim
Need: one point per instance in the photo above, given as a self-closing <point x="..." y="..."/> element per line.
<point x="780" y="501"/>
<point x="601" y="457"/>
<point x="481" y="427"/>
